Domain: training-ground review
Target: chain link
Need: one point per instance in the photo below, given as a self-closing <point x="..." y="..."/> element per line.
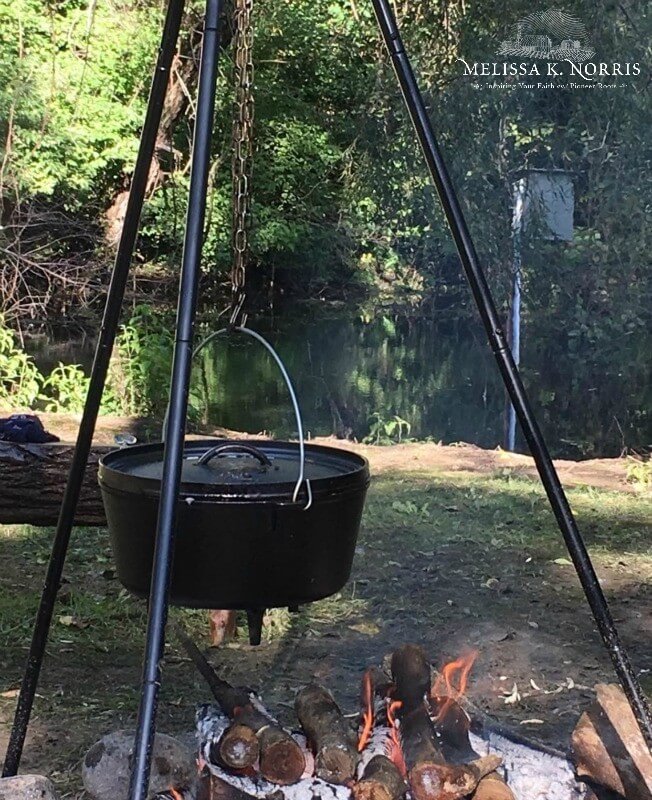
<point x="242" y="164"/>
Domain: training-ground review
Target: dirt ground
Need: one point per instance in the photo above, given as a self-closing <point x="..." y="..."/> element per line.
<point x="458" y="550"/>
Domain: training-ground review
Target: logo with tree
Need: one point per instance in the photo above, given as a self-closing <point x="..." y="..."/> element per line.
<point x="552" y="34"/>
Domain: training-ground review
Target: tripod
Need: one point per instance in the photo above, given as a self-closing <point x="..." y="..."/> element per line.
<point x="173" y="453"/>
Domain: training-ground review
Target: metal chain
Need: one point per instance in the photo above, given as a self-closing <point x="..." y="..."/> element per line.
<point x="242" y="164"/>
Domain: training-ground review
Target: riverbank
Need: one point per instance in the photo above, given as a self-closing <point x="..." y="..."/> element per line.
<point x="458" y="549"/>
<point x="603" y="473"/>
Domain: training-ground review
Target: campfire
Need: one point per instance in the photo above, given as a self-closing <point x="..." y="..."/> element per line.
<point x="411" y="738"/>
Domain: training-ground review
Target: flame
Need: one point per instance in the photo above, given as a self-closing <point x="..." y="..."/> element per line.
<point x="175" y="795"/>
<point x="450" y="684"/>
<point x="394" y="749"/>
<point x="367" y="712"/>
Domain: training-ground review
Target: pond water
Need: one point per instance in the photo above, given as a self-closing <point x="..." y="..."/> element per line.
<point x="354" y="375"/>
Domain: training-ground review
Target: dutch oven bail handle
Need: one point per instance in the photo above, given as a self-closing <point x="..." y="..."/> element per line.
<point x="293" y="397"/>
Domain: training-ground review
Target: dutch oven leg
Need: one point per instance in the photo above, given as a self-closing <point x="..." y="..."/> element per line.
<point x="255" y="624"/>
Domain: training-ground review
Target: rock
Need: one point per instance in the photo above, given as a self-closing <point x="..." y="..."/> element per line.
<point x="27" y="787"/>
<point x="107" y="766"/>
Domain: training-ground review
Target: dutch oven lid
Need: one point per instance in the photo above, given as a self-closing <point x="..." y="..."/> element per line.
<point x="233" y="467"/>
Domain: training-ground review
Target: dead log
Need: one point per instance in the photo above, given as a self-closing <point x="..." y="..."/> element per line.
<point x="334" y="743"/>
<point x="381" y="780"/>
<point x="32" y="482"/>
<point x="609" y="749"/>
<point x="281" y="758"/>
<point x="412" y="676"/>
<point x="429" y="776"/>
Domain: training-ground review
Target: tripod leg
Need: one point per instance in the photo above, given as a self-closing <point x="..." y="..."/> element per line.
<point x="510" y="374"/>
<point x="178" y="405"/>
<point x="95" y="388"/>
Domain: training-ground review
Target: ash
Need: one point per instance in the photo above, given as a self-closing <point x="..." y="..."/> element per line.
<point x="530" y="773"/>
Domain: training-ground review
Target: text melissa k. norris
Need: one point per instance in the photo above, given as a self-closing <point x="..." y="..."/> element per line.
<point x="550" y="69"/>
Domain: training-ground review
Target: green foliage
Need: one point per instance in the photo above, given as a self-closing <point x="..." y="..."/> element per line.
<point x="73" y="78"/>
<point x="20" y="380"/>
<point x="386" y="431"/>
<point x="139" y="377"/>
<point x="65" y="389"/>
<point x="137" y="383"/>
<point x="639" y="473"/>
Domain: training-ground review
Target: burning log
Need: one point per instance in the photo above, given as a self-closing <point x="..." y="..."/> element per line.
<point x="334" y="743"/>
<point x="453" y="725"/>
<point x="608" y="748"/>
<point x="253" y="734"/>
<point x="381" y="780"/>
<point x="412" y="676"/>
<point x="430" y="777"/>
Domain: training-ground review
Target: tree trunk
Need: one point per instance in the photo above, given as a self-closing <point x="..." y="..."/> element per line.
<point x="183" y="79"/>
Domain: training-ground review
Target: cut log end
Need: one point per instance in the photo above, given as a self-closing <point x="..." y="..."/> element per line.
<point x="450" y="781"/>
<point x="282" y="762"/>
<point x="238" y="748"/>
<point x="381" y="780"/>
<point x="370" y="790"/>
<point x="493" y="787"/>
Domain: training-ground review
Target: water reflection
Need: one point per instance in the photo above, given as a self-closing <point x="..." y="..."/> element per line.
<point x="437" y="375"/>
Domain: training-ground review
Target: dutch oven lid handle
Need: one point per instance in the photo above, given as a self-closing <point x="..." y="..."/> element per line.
<point x="293" y="397"/>
<point x="225" y="449"/>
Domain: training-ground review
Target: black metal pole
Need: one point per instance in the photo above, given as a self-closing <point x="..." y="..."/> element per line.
<point x="482" y="295"/>
<point x="95" y="388"/>
<point x="178" y="406"/>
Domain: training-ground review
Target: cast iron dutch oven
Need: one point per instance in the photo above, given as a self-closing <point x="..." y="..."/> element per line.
<point x="249" y="535"/>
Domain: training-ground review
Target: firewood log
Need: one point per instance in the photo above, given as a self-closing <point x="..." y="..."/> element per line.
<point x="381" y="683"/>
<point x="281" y="757"/>
<point x="213" y="788"/>
<point x="493" y="787"/>
<point x="609" y="749"/>
<point x="412" y="675"/>
<point x="429" y="776"/>
<point x="237" y="748"/>
<point x="452" y="725"/>
<point x="381" y="780"/>
<point x="333" y="741"/>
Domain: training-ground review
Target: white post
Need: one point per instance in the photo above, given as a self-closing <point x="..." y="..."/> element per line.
<point x="520" y="190"/>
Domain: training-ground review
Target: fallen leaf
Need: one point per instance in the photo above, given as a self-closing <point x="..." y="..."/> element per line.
<point x="531" y="722"/>
<point x="512" y="697"/>
<point x="368" y="628"/>
<point x="563" y="562"/>
<point x="10" y="693"/>
<point x="73" y="622"/>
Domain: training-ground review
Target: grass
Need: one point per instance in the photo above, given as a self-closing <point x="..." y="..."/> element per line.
<point x="439" y="555"/>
